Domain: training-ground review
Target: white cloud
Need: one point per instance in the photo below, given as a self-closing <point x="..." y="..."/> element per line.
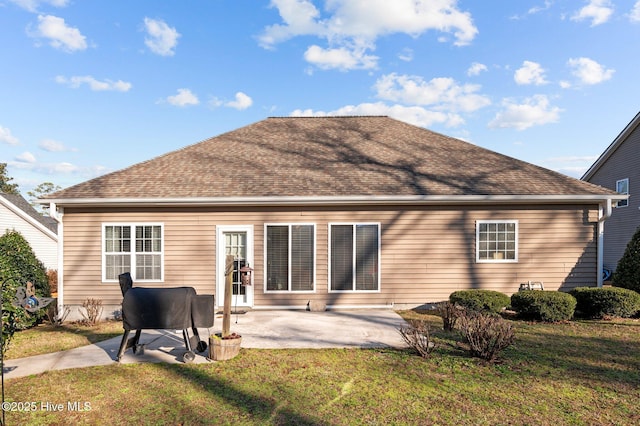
<point x="51" y="145"/>
<point x="589" y="71"/>
<point x="406" y="55"/>
<point x="354" y="25"/>
<point x="7" y="137"/>
<point x="530" y="73"/>
<point x="242" y="101"/>
<point x="574" y="166"/>
<point x="634" y="15"/>
<point x="533" y="111"/>
<point x="441" y="93"/>
<point x="162" y="39"/>
<point x="537" y="9"/>
<point x="598" y="11"/>
<point x="411" y="114"/>
<point x="183" y="98"/>
<point x="60" y="36"/>
<point x="32" y="5"/>
<point x="26" y="157"/>
<point x="341" y="58"/>
<point x="476" y="68"/>
<point x="95" y="85"/>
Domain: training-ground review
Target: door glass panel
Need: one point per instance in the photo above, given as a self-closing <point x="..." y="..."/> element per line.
<point x="236" y="245"/>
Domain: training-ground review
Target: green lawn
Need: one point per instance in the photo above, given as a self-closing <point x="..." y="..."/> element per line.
<point x="575" y="373"/>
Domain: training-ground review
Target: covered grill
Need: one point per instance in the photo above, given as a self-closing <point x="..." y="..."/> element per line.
<point x="177" y="308"/>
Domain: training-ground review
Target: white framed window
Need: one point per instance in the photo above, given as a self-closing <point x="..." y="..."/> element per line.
<point x="137" y="248"/>
<point x="290" y="257"/>
<point x="622" y="187"/>
<point x="354" y="257"/>
<point x="497" y="241"/>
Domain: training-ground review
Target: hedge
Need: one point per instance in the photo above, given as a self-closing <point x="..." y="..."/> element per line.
<point x="548" y="306"/>
<point x="605" y="302"/>
<point x="480" y="300"/>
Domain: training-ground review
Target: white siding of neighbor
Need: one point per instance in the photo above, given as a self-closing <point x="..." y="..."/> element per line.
<point x="43" y="244"/>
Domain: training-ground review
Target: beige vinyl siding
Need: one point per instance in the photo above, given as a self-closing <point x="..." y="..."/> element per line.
<point x="623" y="163"/>
<point x="426" y="252"/>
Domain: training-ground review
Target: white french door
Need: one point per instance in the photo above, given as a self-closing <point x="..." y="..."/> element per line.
<point x="236" y="241"/>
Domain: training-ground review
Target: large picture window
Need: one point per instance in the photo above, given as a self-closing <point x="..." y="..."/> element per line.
<point x="497" y="241"/>
<point x="290" y="257"/>
<point x="622" y="187"/>
<point x="133" y="248"/>
<point x="354" y="257"/>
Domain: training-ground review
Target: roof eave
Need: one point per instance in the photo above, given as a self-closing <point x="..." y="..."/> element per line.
<point x="330" y="200"/>
<point x="624" y="134"/>
<point x="26" y="217"/>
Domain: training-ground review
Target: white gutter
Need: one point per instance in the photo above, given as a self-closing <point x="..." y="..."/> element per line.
<point x="604" y="213"/>
<point x="57" y="213"/>
<point x="333" y="200"/>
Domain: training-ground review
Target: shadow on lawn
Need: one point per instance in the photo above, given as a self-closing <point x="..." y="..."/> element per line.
<point x="249" y="406"/>
<point x="609" y="359"/>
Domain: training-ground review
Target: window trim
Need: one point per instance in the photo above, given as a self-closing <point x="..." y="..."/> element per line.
<point x="329" y="255"/>
<point x="288" y="290"/>
<point x="516" y="241"/>
<point x="133" y="253"/>
<point x="620" y="202"/>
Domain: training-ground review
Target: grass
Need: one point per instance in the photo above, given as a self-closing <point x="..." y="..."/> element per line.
<point x="574" y="373"/>
<point x="46" y="338"/>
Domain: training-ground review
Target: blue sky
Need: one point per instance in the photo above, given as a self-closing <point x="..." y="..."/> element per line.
<point x="90" y="87"/>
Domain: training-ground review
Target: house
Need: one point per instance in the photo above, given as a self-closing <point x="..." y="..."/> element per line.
<point x="618" y="168"/>
<point x="40" y="231"/>
<point x="339" y="211"/>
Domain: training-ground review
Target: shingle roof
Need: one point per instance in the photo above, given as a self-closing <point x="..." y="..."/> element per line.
<point x="22" y="204"/>
<point x="329" y="156"/>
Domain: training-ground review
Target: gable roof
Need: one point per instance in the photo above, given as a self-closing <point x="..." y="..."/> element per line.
<point x="328" y="159"/>
<point x="22" y="208"/>
<point x="612" y="147"/>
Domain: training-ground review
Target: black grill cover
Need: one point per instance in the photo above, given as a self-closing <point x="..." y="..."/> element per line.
<point x="176" y="308"/>
<point x="157" y="308"/>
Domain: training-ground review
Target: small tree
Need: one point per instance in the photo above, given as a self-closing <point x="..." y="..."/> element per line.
<point x="18" y="265"/>
<point x="5" y="185"/>
<point x="39" y="192"/>
<point x="627" y="274"/>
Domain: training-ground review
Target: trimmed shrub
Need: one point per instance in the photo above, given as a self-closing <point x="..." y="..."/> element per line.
<point x="627" y="273"/>
<point x="548" y="306"/>
<point x="486" y="333"/>
<point x="480" y="300"/>
<point x="605" y="302"/>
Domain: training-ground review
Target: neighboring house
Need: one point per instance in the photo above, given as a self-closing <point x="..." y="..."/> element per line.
<point x="618" y="168"/>
<point x="40" y="231"/>
<point x="341" y="211"/>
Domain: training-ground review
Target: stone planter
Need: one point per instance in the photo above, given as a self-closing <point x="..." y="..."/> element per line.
<point x="223" y="349"/>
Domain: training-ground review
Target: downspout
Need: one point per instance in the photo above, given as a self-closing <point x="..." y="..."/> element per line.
<point x="57" y="214"/>
<point x="604" y="213"/>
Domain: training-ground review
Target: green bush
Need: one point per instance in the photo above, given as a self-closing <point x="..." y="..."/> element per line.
<point x="548" y="306"/>
<point x="627" y="273"/>
<point x="480" y="300"/>
<point x="18" y="265"/>
<point x="605" y="302"/>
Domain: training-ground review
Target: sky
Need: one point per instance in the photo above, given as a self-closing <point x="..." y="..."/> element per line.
<point x="88" y="87"/>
